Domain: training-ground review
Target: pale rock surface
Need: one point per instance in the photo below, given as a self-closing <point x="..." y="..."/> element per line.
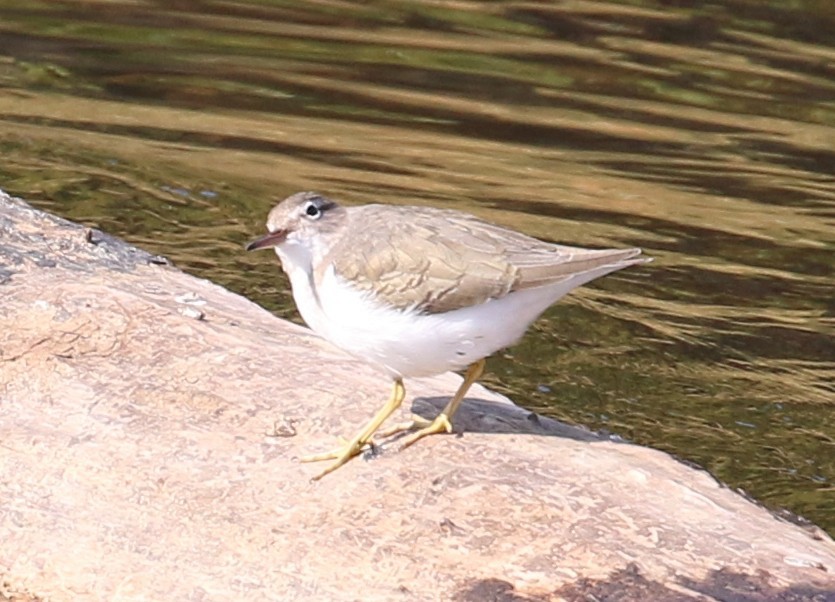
<point x="149" y="453"/>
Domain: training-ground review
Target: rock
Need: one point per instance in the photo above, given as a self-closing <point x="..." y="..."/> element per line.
<point x="150" y="429"/>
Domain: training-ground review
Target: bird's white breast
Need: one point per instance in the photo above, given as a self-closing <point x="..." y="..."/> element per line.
<point x="407" y="342"/>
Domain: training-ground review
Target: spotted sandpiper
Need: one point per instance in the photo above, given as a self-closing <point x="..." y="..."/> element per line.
<point x="418" y="291"/>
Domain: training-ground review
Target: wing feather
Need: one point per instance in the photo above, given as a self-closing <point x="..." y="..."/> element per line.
<point x="436" y="261"/>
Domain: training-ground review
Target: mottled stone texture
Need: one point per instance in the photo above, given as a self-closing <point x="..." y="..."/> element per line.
<point x="150" y="428"/>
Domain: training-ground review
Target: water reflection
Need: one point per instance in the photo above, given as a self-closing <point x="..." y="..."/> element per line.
<point x="704" y="135"/>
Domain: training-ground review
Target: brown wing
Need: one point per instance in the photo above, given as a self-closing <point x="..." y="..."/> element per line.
<point x="438" y="261"/>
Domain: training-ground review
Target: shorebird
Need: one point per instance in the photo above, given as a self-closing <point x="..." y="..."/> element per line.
<point x="417" y="291"/>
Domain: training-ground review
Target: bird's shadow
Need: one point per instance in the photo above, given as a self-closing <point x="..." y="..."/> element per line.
<point x="486" y="416"/>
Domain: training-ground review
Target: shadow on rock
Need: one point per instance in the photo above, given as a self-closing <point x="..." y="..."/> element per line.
<point x="485" y="416"/>
<point x="629" y="585"/>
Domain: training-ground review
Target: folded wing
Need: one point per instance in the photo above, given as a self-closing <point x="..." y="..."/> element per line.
<point x="437" y="261"/>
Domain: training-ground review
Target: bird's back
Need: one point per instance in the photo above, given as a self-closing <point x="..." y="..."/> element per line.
<point x="437" y="260"/>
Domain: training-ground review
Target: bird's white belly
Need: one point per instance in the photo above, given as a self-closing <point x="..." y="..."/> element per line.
<point x="408" y="343"/>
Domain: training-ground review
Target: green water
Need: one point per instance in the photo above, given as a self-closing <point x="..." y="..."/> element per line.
<point x="704" y="135"/>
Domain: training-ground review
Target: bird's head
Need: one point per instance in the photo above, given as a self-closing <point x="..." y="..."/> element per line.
<point x="302" y="218"/>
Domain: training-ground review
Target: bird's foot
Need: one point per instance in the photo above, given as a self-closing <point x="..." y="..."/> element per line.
<point x="441" y="424"/>
<point x="365" y="437"/>
<point x="414" y="423"/>
<point x="342" y="455"/>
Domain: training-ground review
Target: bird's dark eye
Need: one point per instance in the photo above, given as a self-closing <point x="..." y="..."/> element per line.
<point x="312" y="211"/>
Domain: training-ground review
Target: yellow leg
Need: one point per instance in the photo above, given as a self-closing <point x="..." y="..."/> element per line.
<point x="415" y="422"/>
<point x="442" y="423"/>
<point x="355" y="445"/>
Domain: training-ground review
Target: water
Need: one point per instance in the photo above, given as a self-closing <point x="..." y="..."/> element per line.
<point x="704" y="134"/>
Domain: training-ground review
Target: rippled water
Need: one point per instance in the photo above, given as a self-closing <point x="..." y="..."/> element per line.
<point x="705" y="135"/>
